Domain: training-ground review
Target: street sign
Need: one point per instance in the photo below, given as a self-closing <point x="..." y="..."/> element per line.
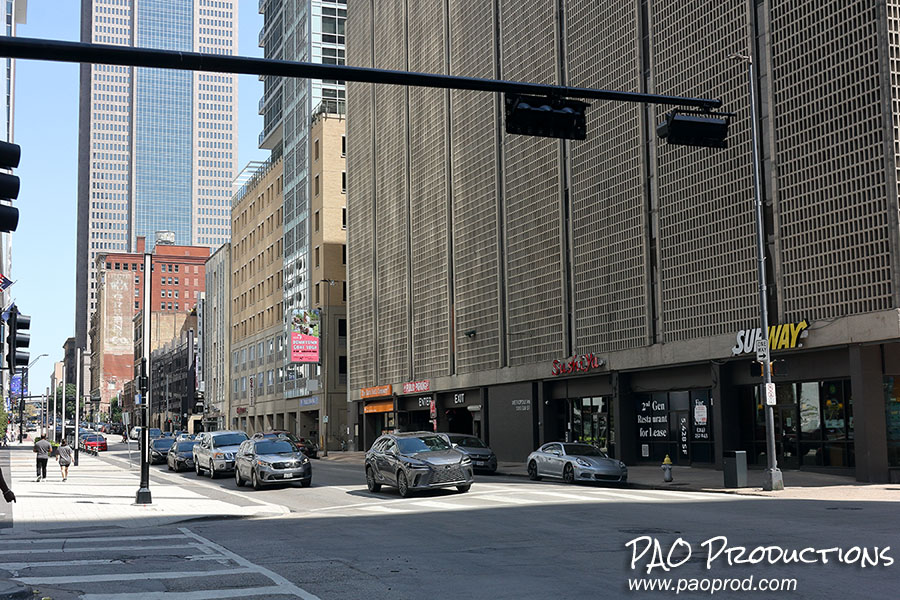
<point x="762" y="350"/>
<point x="770" y="394"/>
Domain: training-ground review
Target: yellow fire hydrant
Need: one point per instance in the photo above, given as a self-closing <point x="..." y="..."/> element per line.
<point x="667" y="469"/>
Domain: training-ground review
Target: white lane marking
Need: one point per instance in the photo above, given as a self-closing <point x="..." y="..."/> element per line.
<point x="265" y="592"/>
<point x="616" y="495"/>
<point x="347" y="489"/>
<point x="383" y="509"/>
<point x="440" y="505"/>
<point x="676" y="494"/>
<point x="118" y="538"/>
<point x="97" y="561"/>
<point x="286" y="585"/>
<point x="98" y="550"/>
<point x="564" y="496"/>
<point x="180" y="481"/>
<point x="127" y="576"/>
<point x="509" y="499"/>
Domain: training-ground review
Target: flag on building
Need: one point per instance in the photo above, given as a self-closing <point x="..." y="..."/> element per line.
<point x="5" y="282"/>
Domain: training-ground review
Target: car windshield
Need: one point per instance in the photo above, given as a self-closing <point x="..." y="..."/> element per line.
<point x="185" y="446"/>
<point x="467" y="441"/>
<point x="582" y="450"/>
<point x="229" y="439"/>
<point x="162" y="444"/>
<point x="425" y="443"/>
<point x="275" y="447"/>
<point x="94" y="438"/>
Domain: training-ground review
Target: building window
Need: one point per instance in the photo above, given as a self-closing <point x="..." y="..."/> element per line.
<point x="344" y="254"/>
<point x="176" y="268"/>
<point x="317" y="257"/>
<point x="343" y="145"/>
<point x="162" y="293"/>
<point x="316" y="150"/>
<point x="343" y="182"/>
<point x="162" y="306"/>
<point x="316" y="186"/>
<point x="344" y="217"/>
<point x="316" y="221"/>
<point x="135" y="306"/>
<point x="344" y="295"/>
<point x="117" y="269"/>
<point x="317" y="290"/>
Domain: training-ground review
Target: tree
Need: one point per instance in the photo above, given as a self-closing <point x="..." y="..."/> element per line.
<point x="115" y="411"/>
<point x="70" y="399"/>
<point x="4" y="418"/>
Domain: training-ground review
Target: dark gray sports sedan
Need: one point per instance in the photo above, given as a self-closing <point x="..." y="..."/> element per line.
<point x="575" y="462"/>
<point x="416" y="461"/>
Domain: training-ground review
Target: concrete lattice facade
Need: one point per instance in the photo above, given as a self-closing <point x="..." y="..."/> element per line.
<point x="479" y="258"/>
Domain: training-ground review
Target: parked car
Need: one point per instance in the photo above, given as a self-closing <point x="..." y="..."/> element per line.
<point x="181" y="455"/>
<point x="82" y="434"/>
<point x="415" y="461"/>
<point x="159" y="448"/>
<point x="135" y="432"/>
<point x="215" y="452"/>
<point x="483" y="458"/>
<point x="271" y="460"/>
<point x="115" y="428"/>
<point x="94" y="442"/>
<point x="306" y="445"/>
<point x="185" y="436"/>
<point x="575" y="462"/>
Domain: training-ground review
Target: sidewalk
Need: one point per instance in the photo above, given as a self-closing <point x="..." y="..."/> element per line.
<point x="799" y="485"/>
<point x="100" y="494"/>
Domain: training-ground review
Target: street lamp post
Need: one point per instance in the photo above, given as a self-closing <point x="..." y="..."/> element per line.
<point x="773" y="480"/>
<point x="143" y="495"/>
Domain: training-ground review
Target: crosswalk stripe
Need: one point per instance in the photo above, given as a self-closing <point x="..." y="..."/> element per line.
<point x="76" y="540"/>
<point x="94" y="549"/>
<point x="265" y="592"/>
<point x="574" y="497"/>
<point x="678" y="494"/>
<point x="616" y="495"/>
<point x="129" y="576"/>
<point x="20" y="566"/>
<point x="383" y="509"/>
<point x="509" y="499"/>
<point x="438" y="504"/>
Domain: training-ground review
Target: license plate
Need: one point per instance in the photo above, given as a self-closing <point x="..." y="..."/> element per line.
<point x="479" y="463"/>
<point x="286" y="475"/>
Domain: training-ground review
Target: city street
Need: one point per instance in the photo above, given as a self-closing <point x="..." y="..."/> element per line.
<point x="506" y="538"/>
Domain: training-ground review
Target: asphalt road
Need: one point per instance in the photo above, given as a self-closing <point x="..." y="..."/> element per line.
<point x="506" y="538"/>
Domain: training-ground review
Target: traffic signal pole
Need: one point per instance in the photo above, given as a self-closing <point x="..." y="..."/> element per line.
<point x="143" y="495"/>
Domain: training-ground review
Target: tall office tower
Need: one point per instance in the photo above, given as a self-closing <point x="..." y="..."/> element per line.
<point x="14" y="14"/>
<point x="605" y="290"/>
<point x="157" y="148"/>
<point x="308" y="31"/>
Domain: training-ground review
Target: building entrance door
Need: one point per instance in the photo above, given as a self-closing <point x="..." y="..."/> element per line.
<point x="786" y="436"/>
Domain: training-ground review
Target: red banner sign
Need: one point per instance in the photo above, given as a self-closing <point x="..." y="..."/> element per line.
<point x="413" y="387"/>
<point x="576" y="364"/>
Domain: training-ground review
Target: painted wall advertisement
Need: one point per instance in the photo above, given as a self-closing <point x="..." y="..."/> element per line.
<point x="305" y="336"/>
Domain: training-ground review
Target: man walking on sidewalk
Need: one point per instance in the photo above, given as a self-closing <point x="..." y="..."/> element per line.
<point x="42" y="448"/>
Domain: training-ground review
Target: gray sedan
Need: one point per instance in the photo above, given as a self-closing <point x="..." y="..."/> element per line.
<point x="270" y="461"/>
<point x="575" y="462"/>
<point x="483" y="458"/>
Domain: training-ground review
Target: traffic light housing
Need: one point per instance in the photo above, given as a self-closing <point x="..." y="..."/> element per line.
<point x="9" y="186"/>
<point x="17" y="340"/>
<point x="695" y="128"/>
<point x="776" y="367"/>
<point x="546" y="117"/>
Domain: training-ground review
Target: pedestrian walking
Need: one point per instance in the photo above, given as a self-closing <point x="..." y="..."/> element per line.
<point x="64" y="456"/>
<point x="7" y="493"/>
<point x="42" y="448"/>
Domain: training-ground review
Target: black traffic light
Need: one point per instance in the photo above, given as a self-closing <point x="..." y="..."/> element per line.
<point x="776" y="367"/>
<point x="9" y="186"/>
<point x="546" y="117"/>
<point x="17" y="340"/>
<point x="695" y="128"/>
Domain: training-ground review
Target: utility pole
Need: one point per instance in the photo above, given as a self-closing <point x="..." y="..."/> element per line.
<point x="77" y="401"/>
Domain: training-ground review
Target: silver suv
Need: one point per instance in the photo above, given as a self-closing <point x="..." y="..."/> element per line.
<point x="215" y="451"/>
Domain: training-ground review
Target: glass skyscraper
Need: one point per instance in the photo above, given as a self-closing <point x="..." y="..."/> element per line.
<point x="157" y="148"/>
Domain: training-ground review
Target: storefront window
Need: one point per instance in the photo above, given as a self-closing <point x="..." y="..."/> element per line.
<point x="892" y="418"/>
<point x="677" y="424"/>
<point x="590" y="421"/>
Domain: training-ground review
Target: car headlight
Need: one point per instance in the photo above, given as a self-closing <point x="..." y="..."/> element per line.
<point x="582" y="462"/>
<point x="466" y="460"/>
<point x="263" y="463"/>
<point x="304" y="461"/>
<point x="417" y="464"/>
<point x="218" y="455"/>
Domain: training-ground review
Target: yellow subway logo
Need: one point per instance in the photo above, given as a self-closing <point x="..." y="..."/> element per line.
<point x="781" y="337"/>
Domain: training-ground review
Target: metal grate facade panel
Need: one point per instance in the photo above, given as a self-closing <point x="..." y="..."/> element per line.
<point x="536" y="313"/>
<point x="610" y="218"/>
<point x="706" y="240"/>
<point x="392" y="198"/>
<point x="833" y="196"/>
<point x="429" y="207"/>
<point x="476" y="189"/>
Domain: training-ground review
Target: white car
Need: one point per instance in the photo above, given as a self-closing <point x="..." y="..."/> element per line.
<point x="214" y="452"/>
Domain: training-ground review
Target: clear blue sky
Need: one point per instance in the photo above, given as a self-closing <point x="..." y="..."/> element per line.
<point x="46" y="127"/>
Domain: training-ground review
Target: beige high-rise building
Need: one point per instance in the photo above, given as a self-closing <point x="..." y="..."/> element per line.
<point x="257" y="317"/>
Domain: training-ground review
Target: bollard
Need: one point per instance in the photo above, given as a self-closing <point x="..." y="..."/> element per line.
<point x="667" y="469"/>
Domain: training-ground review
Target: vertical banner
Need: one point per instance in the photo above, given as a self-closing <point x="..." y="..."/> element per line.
<point x="305" y="336"/>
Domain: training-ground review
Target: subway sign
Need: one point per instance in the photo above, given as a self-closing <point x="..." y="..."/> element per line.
<point x="781" y="337"/>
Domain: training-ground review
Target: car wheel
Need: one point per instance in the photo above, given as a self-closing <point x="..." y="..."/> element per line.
<point x="403" y="484"/>
<point x="237" y="478"/>
<point x="371" y="484"/>
<point x="254" y="481"/>
<point x="169" y="465"/>
<point x="212" y="470"/>
<point x="197" y="468"/>
<point x="306" y="482"/>
<point x="533" y="472"/>
<point x="569" y="473"/>
<point x="464" y="488"/>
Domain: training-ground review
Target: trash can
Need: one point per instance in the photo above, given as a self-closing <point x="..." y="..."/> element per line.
<point x="735" y="464"/>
